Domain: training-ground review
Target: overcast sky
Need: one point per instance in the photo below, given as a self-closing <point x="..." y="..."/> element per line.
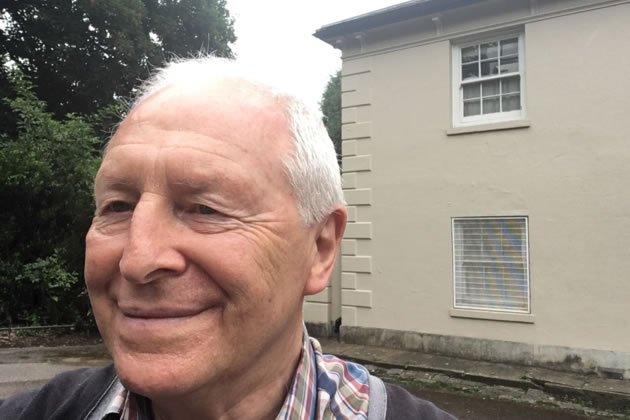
<point x="278" y="33"/>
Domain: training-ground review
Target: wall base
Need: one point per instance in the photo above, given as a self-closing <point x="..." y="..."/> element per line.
<point x="319" y="329"/>
<point x="603" y="363"/>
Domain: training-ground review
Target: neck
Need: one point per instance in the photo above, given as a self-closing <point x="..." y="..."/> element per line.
<point x="257" y="393"/>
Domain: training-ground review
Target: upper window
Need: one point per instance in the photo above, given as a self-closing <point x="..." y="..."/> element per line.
<point x="490" y="264"/>
<point x="488" y="80"/>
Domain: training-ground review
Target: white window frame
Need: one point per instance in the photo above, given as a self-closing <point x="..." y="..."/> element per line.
<point x="527" y="278"/>
<point x="458" y="102"/>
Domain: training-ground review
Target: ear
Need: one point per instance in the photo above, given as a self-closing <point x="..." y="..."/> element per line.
<point x="327" y="242"/>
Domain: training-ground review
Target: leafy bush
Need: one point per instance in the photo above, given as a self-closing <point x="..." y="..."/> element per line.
<point x="46" y="205"/>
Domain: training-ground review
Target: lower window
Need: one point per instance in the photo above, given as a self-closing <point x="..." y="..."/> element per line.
<point x="491" y="264"/>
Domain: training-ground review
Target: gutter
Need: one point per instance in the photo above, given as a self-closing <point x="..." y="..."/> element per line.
<point x="386" y="16"/>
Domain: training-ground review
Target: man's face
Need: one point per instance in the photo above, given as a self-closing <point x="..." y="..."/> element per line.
<point x="197" y="258"/>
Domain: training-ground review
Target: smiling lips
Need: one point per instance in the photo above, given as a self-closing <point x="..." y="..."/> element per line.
<point x="158" y="313"/>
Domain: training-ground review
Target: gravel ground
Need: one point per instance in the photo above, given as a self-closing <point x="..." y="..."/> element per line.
<point x="469" y="400"/>
<point x="49" y="338"/>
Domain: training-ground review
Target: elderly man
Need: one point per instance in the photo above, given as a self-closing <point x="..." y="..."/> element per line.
<point x="218" y="207"/>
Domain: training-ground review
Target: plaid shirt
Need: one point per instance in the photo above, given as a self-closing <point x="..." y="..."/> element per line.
<point x="324" y="387"/>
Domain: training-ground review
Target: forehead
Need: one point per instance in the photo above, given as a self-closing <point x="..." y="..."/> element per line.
<point x="230" y="115"/>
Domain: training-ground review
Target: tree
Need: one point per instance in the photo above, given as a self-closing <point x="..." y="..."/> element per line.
<point x="46" y="205"/>
<point x="81" y="55"/>
<point x="331" y="108"/>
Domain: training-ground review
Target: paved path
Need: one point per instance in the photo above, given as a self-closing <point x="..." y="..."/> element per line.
<point x="470" y="390"/>
<point x="26" y="368"/>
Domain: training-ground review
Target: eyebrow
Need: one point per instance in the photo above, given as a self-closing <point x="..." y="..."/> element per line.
<point x="113" y="181"/>
<point x="192" y="185"/>
<point x="196" y="180"/>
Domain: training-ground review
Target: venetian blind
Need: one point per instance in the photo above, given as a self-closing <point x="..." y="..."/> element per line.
<point x="491" y="263"/>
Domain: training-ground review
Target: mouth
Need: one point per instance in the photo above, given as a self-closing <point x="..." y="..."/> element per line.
<point x="147" y="323"/>
<point x="159" y="313"/>
<point x="158" y="320"/>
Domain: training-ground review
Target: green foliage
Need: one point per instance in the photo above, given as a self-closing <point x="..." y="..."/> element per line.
<point x="187" y="26"/>
<point x="82" y="55"/>
<point x="53" y="284"/>
<point x="331" y="108"/>
<point x="46" y="206"/>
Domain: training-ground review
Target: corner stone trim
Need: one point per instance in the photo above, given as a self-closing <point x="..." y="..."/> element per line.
<point x="356" y="134"/>
<point x="356" y="264"/>
<point x="356" y="163"/>
<point x="359" y="230"/>
<point x="359" y="197"/>
<point x="356" y="131"/>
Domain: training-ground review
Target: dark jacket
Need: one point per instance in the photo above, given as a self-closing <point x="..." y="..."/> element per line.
<point x="75" y="395"/>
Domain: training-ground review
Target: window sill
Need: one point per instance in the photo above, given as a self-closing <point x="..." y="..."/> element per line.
<point x="492" y="316"/>
<point x="480" y="128"/>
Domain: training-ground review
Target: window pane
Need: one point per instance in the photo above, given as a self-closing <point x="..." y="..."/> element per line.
<point x="491" y="106"/>
<point x="489" y="50"/>
<point x="490" y="78"/>
<point x="511" y="102"/>
<point x="508" y="65"/>
<point x="470" y="71"/>
<point x="509" y="47"/>
<point x="470" y="54"/>
<point x="511" y="84"/>
<point x="489" y="68"/>
<point x="490" y="88"/>
<point x="471" y="91"/>
<point x="472" y="108"/>
<point x="490" y="264"/>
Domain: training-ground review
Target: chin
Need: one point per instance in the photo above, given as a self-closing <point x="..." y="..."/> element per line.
<point x="152" y="376"/>
<point x="163" y="372"/>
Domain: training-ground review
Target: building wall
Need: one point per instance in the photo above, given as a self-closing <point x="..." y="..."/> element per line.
<point x="405" y="178"/>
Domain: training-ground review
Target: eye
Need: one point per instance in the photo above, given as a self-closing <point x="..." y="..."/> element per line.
<point x="201" y="209"/>
<point x="119" y="207"/>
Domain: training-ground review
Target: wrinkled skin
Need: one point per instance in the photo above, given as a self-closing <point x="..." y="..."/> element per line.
<point x="197" y="259"/>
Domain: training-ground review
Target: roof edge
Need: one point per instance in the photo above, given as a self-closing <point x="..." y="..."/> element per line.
<point x="388" y="15"/>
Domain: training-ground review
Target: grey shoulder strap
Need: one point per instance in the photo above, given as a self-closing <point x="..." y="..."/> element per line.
<point x="377" y="404"/>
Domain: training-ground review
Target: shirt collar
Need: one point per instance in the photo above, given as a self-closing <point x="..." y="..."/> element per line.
<point x="301" y="401"/>
<point x="326" y="387"/>
<point x="125" y="405"/>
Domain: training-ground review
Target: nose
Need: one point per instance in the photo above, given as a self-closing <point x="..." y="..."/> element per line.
<point x="150" y="250"/>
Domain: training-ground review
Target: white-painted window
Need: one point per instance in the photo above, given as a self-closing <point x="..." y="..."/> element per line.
<point x="488" y="81"/>
<point x="491" y="264"/>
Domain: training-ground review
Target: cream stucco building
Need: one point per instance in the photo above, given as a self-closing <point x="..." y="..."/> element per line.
<point x="486" y="163"/>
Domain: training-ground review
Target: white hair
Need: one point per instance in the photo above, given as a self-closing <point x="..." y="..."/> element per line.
<point x="311" y="168"/>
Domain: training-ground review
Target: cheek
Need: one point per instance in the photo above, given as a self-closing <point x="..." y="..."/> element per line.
<point x="101" y="267"/>
<point x="102" y="258"/>
<point x="247" y="265"/>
